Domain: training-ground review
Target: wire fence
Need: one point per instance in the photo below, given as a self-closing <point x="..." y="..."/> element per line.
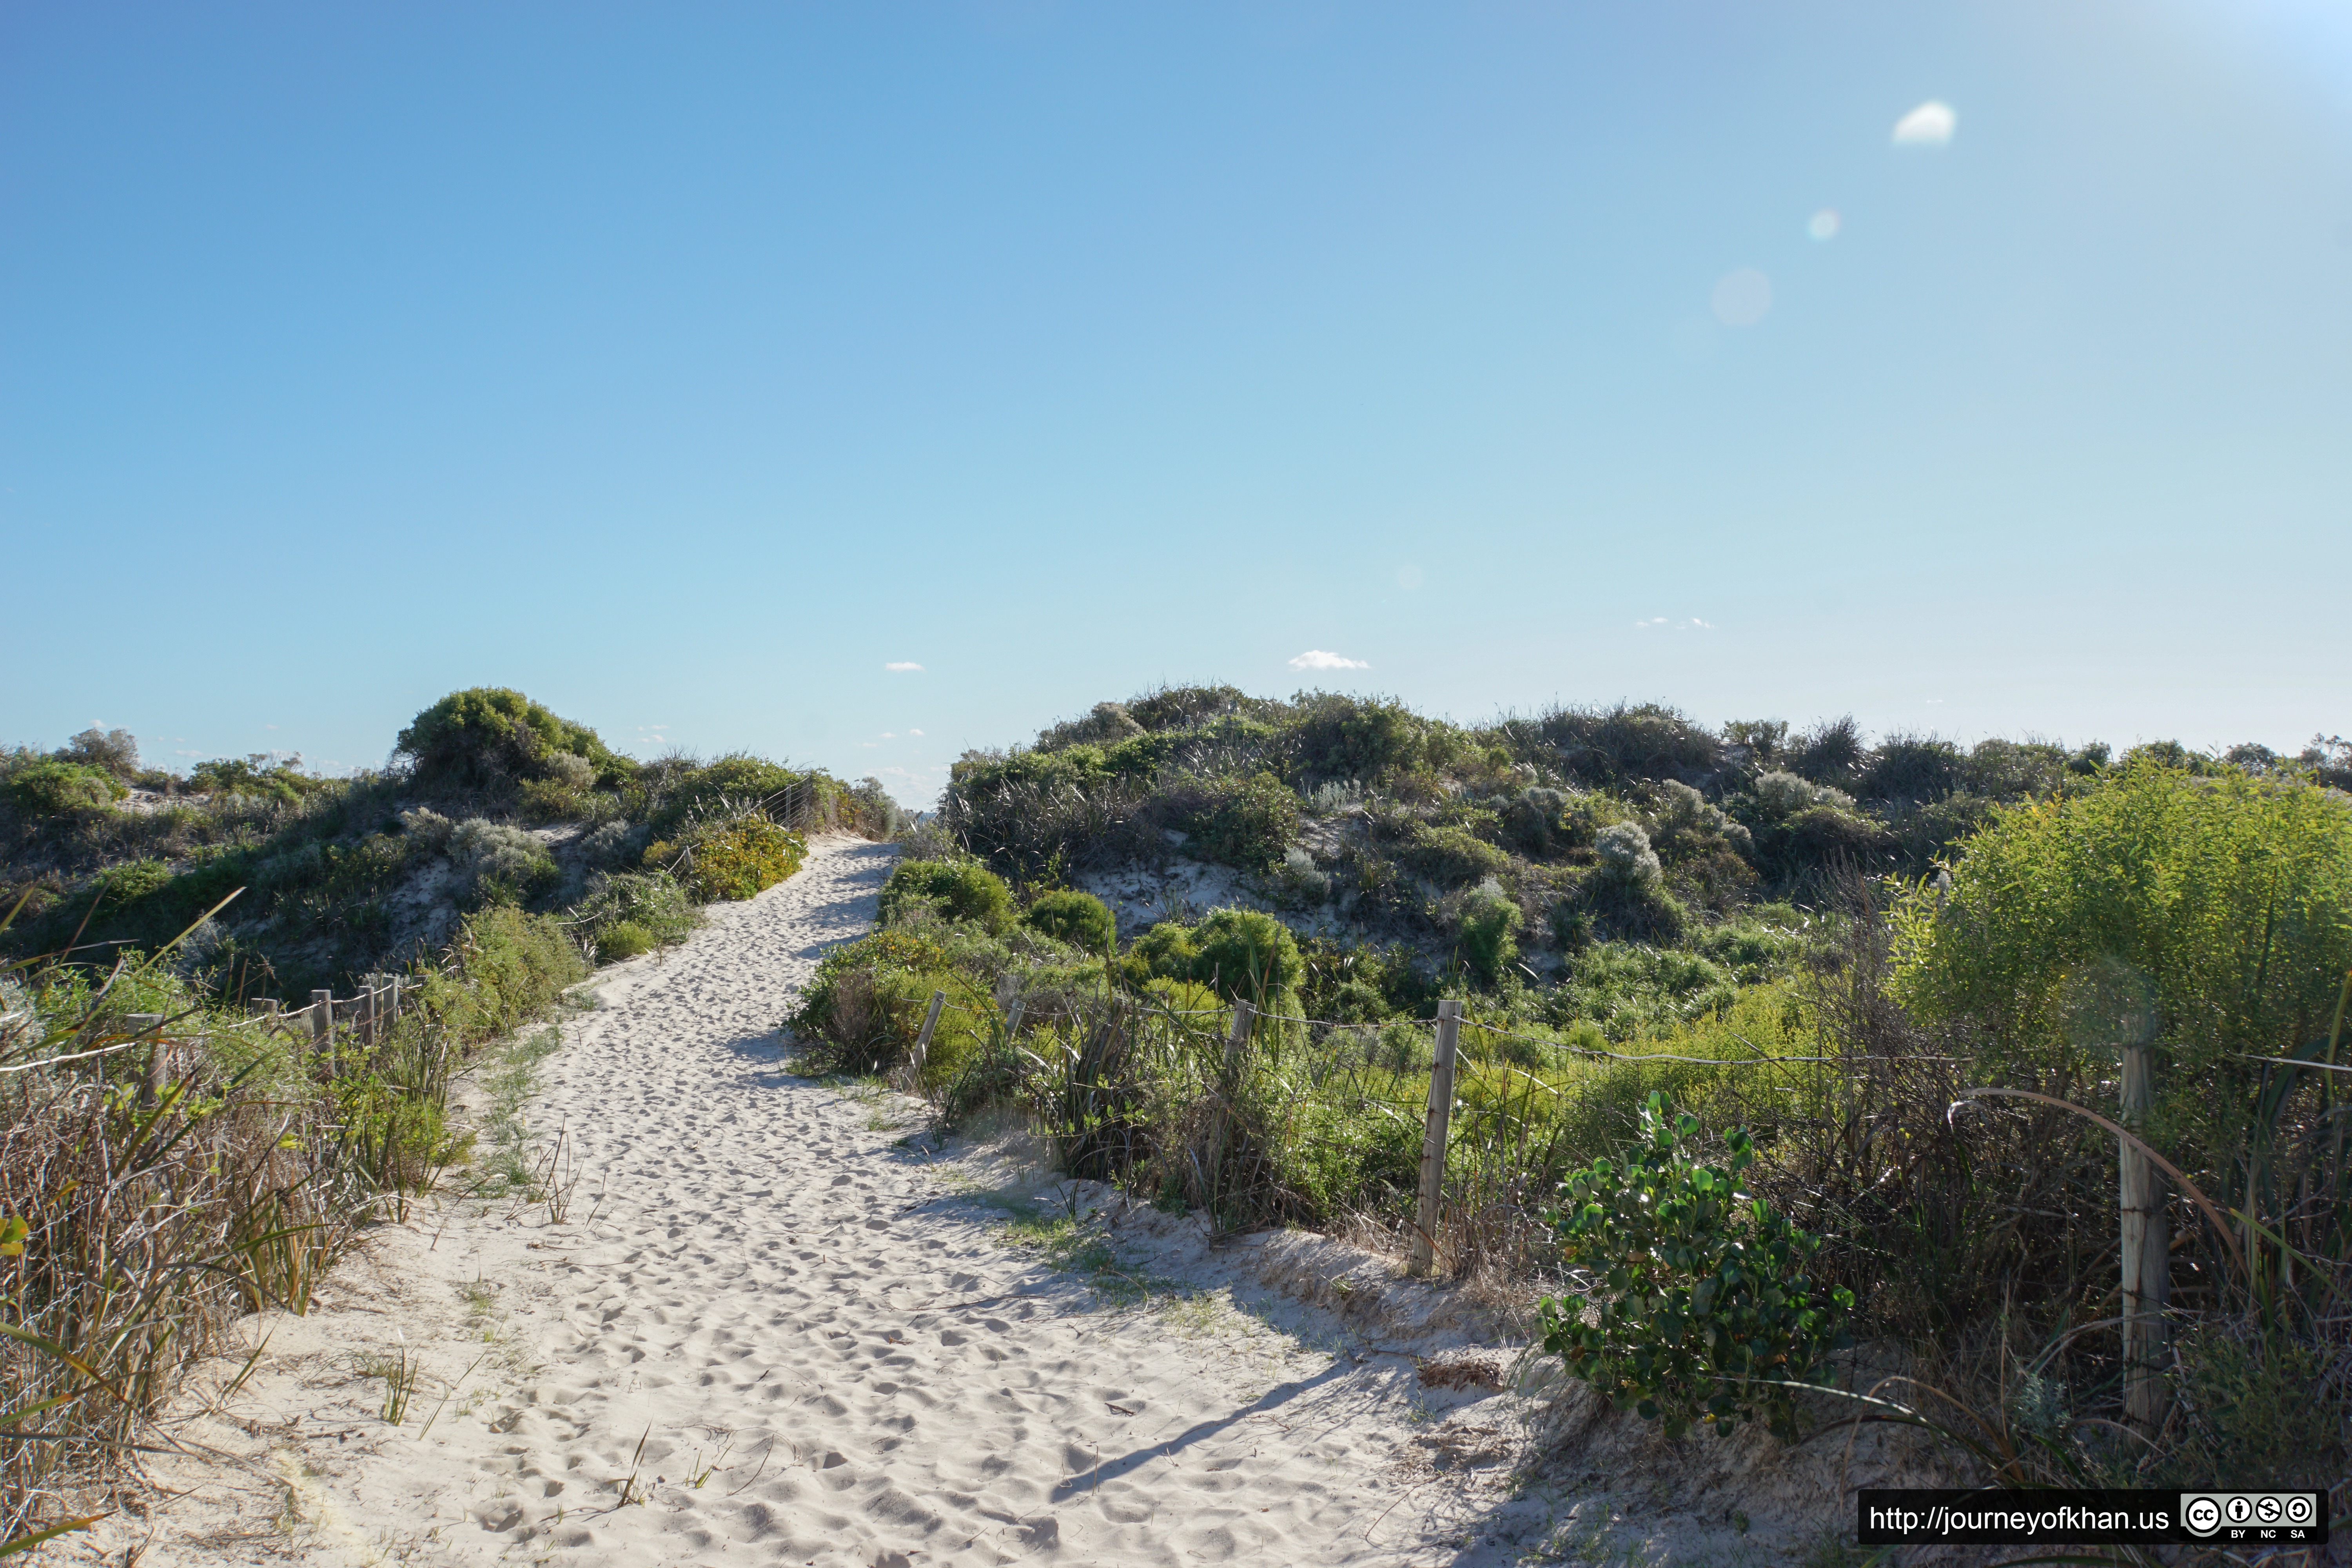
<point x="1460" y="1147"/>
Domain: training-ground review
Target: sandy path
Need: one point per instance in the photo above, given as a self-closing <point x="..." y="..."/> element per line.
<point x="827" y="1356"/>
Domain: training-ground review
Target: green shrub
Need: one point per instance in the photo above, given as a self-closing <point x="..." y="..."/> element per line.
<point x="256" y="776"/>
<point x="491" y="735"/>
<point x="1183" y="706"/>
<point x="501" y="863"/>
<point x="1245" y="955"/>
<point x="1700" y="1304"/>
<point x="1079" y="919"/>
<point x="623" y="939"/>
<point x="1450" y="857"/>
<point x="131" y="880"/>
<point x="651" y="901"/>
<point x="956" y="890"/>
<point x="1613" y="746"/>
<point x="1914" y="768"/>
<point x="1632" y="989"/>
<point x="733" y="859"/>
<point x="1357" y="738"/>
<point x="510" y="969"/>
<point x="1166" y="952"/>
<point x="49" y="787"/>
<point x="1490" y="924"/>
<point x="2251" y="1419"/>
<point x="1246" y="823"/>
<point x="2228" y="896"/>
<point x="1687" y="827"/>
<point x="738" y="783"/>
<point x="862" y="1009"/>
<point x="1822" y="841"/>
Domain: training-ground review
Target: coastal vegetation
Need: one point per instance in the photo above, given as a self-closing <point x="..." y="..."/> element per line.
<point x="172" y="1156"/>
<point x="1868" y="1001"/>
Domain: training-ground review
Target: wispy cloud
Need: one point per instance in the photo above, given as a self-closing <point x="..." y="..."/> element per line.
<point x="903" y="666"/>
<point x="1316" y="659"/>
<point x="889" y="736"/>
<point x="1688" y="624"/>
<point x="914" y="732"/>
<point x="1929" y="125"/>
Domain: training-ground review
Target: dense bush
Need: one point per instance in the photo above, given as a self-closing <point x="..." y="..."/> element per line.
<point x="1910" y="767"/>
<point x="1450" y="857"/>
<point x="509" y="968"/>
<point x="259" y="776"/>
<point x="1490" y="924"/>
<point x="491" y="735"/>
<point x="49" y="787"/>
<point x="1618" y="745"/>
<point x="1079" y="919"/>
<point x="2227" y="898"/>
<point x="651" y="902"/>
<point x="955" y="890"/>
<point x="732" y="857"/>
<point x="1699" y="1307"/>
<point x="1241" y="822"/>
<point x="1352" y="738"/>
<point x="623" y="940"/>
<point x="1245" y="954"/>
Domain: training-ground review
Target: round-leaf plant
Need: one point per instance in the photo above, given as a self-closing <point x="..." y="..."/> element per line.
<point x="1699" y="1308"/>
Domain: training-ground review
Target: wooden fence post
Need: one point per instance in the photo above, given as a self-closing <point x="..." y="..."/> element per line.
<point x="322" y="1020"/>
<point x="151" y="1086"/>
<point x="923" y="1037"/>
<point x="1422" y="1257"/>
<point x="1228" y="1080"/>
<point x="2147" y="1254"/>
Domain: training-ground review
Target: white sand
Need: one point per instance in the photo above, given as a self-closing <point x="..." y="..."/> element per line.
<point x="806" y="1344"/>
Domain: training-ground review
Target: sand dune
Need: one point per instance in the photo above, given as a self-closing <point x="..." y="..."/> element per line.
<point x="767" y="1331"/>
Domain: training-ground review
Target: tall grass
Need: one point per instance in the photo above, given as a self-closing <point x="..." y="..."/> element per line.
<point x="157" y="1183"/>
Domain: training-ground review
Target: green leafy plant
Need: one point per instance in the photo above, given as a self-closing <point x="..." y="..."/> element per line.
<point x="1245" y="822"/>
<point x="490" y="734"/>
<point x="1246" y="953"/>
<point x="623" y="939"/>
<point x="735" y="858"/>
<point x="1490" y="923"/>
<point x="47" y="788"/>
<point x="1700" y="1307"/>
<point x="1079" y="919"/>
<point x="957" y="889"/>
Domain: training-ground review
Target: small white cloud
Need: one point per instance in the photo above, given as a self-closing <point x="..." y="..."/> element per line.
<point x="903" y="666"/>
<point x="1316" y="659"/>
<point x="1742" y="298"/>
<point x="914" y="732"/>
<point x="889" y="736"/>
<point x="1929" y="125"/>
<point x="871" y="746"/>
<point x="1409" y="577"/>
<point x="1703" y="626"/>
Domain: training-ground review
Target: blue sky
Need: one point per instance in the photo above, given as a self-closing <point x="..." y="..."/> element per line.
<point x="687" y="367"/>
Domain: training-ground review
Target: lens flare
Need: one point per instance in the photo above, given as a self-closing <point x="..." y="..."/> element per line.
<point x="1824" y="224"/>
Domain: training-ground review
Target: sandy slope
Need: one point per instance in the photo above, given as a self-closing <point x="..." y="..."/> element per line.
<point x="805" y="1341"/>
